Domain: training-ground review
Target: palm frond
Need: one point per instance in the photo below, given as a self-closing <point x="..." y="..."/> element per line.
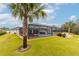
<point x="23" y="9"/>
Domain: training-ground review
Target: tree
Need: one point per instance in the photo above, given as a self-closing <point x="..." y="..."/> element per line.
<point x="76" y="29"/>
<point x="27" y="12"/>
<point x="69" y="25"/>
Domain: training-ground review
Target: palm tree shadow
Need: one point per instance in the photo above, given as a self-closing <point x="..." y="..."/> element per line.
<point x="21" y="49"/>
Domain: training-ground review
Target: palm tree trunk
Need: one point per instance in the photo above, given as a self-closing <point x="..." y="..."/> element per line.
<point x="68" y="30"/>
<point x="25" y="32"/>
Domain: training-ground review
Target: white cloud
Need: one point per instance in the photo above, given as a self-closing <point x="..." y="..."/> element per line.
<point x="2" y="6"/>
<point x="49" y="10"/>
<point x="58" y="25"/>
<point x="73" y="18"/>
<point x="46" y="20"/>
<point x="9" y="21"/>
<point x="7" y="17"/>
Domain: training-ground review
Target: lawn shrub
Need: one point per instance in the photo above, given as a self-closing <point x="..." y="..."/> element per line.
<point x="59" y="34"/>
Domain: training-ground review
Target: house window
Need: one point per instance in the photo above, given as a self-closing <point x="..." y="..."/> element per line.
<point x="42" y="32"/>
<point x="35" y="31"/>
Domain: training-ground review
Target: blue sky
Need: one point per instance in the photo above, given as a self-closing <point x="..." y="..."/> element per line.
<point x="57" y="15"/>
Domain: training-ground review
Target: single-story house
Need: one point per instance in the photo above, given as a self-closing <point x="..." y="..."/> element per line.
<point x="39" y="30"/>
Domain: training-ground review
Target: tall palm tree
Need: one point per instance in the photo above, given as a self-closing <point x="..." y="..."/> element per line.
<point x="69" y="25"/>
<point x="27" y="12"/>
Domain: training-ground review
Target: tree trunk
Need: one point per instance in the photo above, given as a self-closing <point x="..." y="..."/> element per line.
<point x="69" y="30"/>
<point x="24" y="41"/>
<point x="25" y="32"/>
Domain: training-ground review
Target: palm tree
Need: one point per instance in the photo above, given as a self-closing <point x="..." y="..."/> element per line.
<point x="27" y="12"/>
<point x="69" y="25"/>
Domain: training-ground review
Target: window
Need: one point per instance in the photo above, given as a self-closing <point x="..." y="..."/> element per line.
<point x="42" y="32"/>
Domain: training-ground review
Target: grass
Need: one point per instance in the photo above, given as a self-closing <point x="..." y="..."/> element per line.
<point x="9" y="44"/>
<point x="47" y="46"/>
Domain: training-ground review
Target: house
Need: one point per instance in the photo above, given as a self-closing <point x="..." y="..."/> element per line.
<point x="39" y="30"/>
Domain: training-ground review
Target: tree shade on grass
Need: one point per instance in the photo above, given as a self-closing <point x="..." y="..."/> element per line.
<point x="46" y="46"/>
<point x="2" y="32"/>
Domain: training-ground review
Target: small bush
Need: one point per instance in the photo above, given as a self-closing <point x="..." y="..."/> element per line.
<point x="62" y="35"/>
<point x="59" y="34"/>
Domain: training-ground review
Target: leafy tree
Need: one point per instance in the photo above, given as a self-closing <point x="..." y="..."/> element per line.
<point x="69" y="26"/>
<point x="76" y="29"/>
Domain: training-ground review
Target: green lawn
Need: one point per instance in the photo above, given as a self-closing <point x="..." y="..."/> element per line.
<point x="48" y="46"/>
